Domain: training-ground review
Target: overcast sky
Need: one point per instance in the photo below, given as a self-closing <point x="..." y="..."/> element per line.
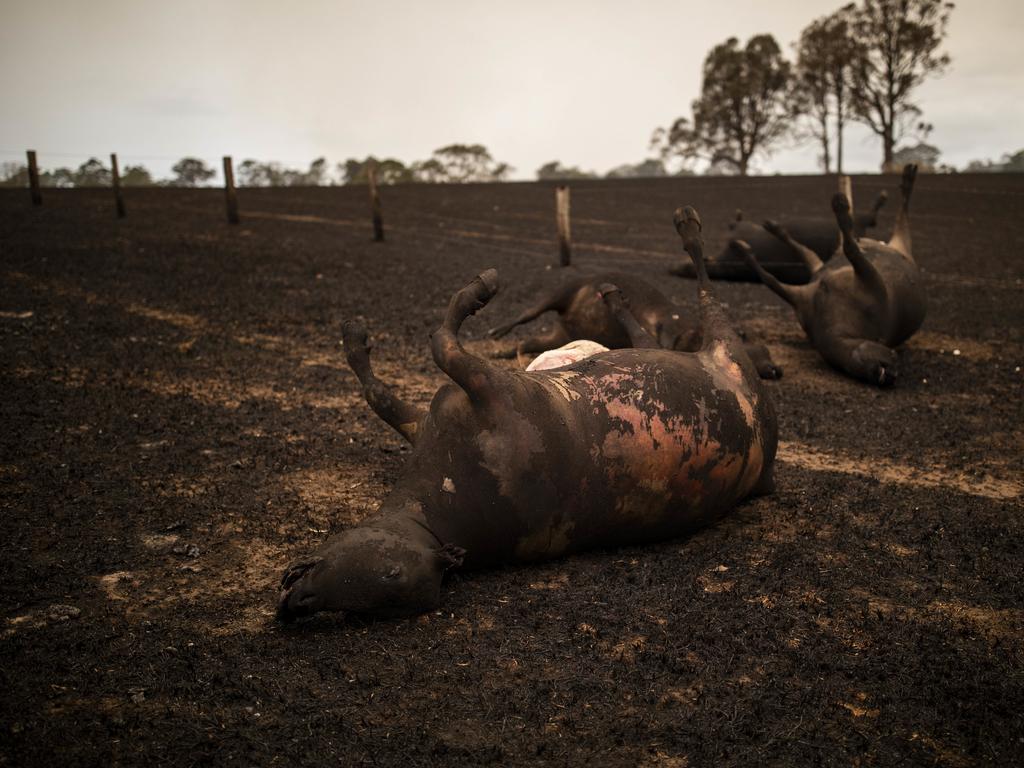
<point x="580" y="81"/>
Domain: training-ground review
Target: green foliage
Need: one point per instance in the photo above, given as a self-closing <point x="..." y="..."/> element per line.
<point x="316" y="176"/>
<point x="13" y="175"/>
<point x="136" y="176"/>
<point x="744" y="109"/>
<point x="252" y="173"/>
<point x="389" y="171"/>
<point x="92" y="173"/>
<point x="896" y="47"/>
<point x="429" y="171"/>
<point x="462" y="163"/>
<point x="924" y="156"/>
<point x="824" y="53"/>
<point x="1010" y="164"/>
<point x="190" y="172"/>
<point x="555" y="171"/>
<point x="59" y="177"/>
<point x="651" y="168"/>
<point x="1014" y="163"/>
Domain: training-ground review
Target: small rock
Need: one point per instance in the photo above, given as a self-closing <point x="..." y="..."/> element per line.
<point x="187" y="550"/>
<point x="60" y="612"/>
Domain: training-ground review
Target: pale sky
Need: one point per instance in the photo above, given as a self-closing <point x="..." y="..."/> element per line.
<point x="580" y="81"/>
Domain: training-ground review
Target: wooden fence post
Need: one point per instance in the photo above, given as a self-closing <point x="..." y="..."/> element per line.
<point x="562" y="219"/>
<point x="33" y="178"/>
<point x="378" y="221"/>
<point x="229" y="191"/>
<point x="846" y="187"/>
<point x="115" y="181"/>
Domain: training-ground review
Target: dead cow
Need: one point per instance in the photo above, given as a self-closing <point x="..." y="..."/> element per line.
<point x="583" y="314"/>
<point x="820" y="235"/>
<point x="627" y="446"/>
<point x="864" y="302"/>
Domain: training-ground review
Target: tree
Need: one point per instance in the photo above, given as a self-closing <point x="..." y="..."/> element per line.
<point x="13" y="175"/>
<point x="317" y="173"/>
<point x="136" y="176"/>
<point x="429" y="171"/>
<point x="743" y="109"/>
<point x="462" y="163"/>
<point x="92" y="173"/>
<point x="1014" y="163"/>
<point x="252" y="173"/>
<point x="896" y="48"/>
<point x="924" y="156"/>
<point x="824" y="53"/>
<point x="1010" y="164"/>
<point x="555" y="171"/>
<point x="191" y="172"/>
<point x="647" y="169"/>
<point x="59" y="177"/>
<point x="389" y="171"/>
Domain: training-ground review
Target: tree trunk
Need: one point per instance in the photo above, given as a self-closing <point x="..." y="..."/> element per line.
<point x="887" y="150"/>
<point x="839" y="149"/>
<point x="825" y="145"/>
<point x="840" y="118"/>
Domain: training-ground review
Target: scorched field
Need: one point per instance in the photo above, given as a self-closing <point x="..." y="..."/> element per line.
<point x="179" y="423"/>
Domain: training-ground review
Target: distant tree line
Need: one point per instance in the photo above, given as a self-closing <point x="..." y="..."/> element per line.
<point x="650" y="168"/>
<point x="455" y="163"/>
<point x="863" y="62"/>
<point x="91" y="173"/>
<point x="1009" y="164"/>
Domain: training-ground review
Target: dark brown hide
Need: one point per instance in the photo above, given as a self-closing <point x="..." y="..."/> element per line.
<point x="625" y="447"/>
<point x="864" y="302"/>
<point x="583" y="314"/>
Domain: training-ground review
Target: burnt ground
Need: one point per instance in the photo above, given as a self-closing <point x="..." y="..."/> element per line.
<point x="178" y="423"/>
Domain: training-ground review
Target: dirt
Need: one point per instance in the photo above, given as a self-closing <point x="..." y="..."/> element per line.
<point x="178" y="423"/>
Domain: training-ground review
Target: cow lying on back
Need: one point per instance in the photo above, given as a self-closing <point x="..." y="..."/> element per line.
<point x="583" y="314"/>
<point x="627" y="446"/>
<point x="820" y="235"/>
<point x="864" y="302"/>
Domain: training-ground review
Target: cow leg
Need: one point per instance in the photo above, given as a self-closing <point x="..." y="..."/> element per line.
<point x="715" y="325"/>
<point x="619" y="306"/>
<point x="864" y="359"/>
<point x="542" y="342"/>
<point x="405" y="418"/>
<point x="525" y="316"/>
<point x="862" y="222"/>
<point x="797" y="296"/>
<point x="900" y="239"/>
<point x="862" y="266"/>
<point x="810" y="258"/>
<point x="554" y="338"/>
<point x="476" y="376"/>
<point x="556" y="299"/>
<point x="762" y="360"/>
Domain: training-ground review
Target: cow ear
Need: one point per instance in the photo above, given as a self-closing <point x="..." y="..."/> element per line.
<point x="451" y="556"/>
<point x="298" y="569"/>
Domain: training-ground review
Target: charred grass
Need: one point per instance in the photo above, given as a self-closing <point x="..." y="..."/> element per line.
<point x="178" y="423"/>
